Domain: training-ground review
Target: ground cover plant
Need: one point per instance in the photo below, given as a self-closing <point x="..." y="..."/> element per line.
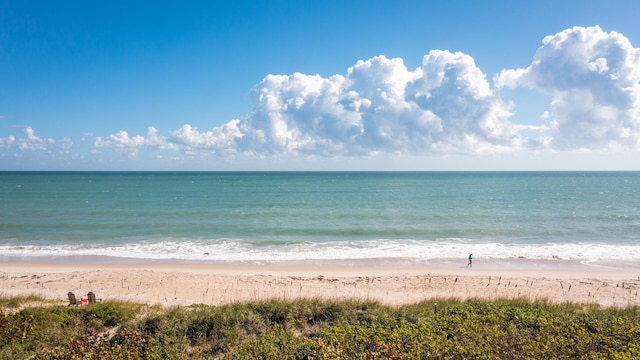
<point x="319" y="329"/>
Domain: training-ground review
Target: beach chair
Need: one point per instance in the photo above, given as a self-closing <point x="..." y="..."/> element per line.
<point x="92" y="298"/>
<point x="72" y="299"/>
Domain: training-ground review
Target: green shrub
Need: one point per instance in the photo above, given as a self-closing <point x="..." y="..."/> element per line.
<point x="127" y="344"/>
<point x="276" y="343"/>
<point x="106" y="314"/>
<point x="317" y="329"/>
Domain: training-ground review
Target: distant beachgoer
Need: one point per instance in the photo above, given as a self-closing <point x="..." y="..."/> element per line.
<point x="470" y="264"/>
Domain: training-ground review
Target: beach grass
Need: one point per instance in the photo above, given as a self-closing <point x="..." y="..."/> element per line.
<point x="15" y="302"/>
<point x="321" y="329"/>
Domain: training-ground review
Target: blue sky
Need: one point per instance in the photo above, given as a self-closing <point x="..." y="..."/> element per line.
<point x="319" y="85"/>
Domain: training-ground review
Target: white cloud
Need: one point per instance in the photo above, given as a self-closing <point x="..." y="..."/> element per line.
<point x="30" y="141"/>
<point x="445" y="106"/>
<point x="378" y="106"/>
<point x="472" y="118"/>
<point x="594" y="79"/>
<point x="122" y="140"/>
<point x="299" y="114"/>
<point x="187" y="138"/>
<point x="220" y="140"/>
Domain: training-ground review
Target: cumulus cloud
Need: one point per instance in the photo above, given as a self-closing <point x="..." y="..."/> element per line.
<point x="122" y="140"/>
<point x="30" y="141"/>
<point x="444" y="106"/>
<point x="470" y="117"/>
<point x="220" y="140"/>
<point x="593" y="77"/>
<point x="378" y="106"/>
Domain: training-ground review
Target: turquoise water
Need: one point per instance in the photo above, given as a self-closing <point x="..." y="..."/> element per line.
<point x="275" y="216"/>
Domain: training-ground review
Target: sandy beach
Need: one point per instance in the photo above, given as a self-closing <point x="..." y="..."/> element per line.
<point x="175" y="284"/>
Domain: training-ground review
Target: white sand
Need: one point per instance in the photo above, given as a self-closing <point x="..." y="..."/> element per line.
<point x="185" y="284"/>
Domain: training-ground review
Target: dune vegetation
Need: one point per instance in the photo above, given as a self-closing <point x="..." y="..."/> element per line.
<point x="33" y="328"/>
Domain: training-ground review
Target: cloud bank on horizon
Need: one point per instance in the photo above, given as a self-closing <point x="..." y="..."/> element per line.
<point x="445" y="106"/>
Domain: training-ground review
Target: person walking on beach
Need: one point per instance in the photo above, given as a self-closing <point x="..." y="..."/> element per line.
<point x="470" y="264"/>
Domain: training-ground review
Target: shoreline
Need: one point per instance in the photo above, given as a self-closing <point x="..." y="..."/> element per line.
<point x="184" y="283"/>
<point x="445" y="263"/>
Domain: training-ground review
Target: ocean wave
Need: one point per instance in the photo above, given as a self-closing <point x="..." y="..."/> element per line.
<point x="232" y="250"/>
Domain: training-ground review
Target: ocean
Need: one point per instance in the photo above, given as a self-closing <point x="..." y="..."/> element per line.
<point x="260" y="217"/>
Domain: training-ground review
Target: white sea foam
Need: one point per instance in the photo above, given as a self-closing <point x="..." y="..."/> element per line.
<point x="239" y="251"/>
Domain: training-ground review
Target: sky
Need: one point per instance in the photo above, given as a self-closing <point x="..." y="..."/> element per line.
<point x="320" y="85"/>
